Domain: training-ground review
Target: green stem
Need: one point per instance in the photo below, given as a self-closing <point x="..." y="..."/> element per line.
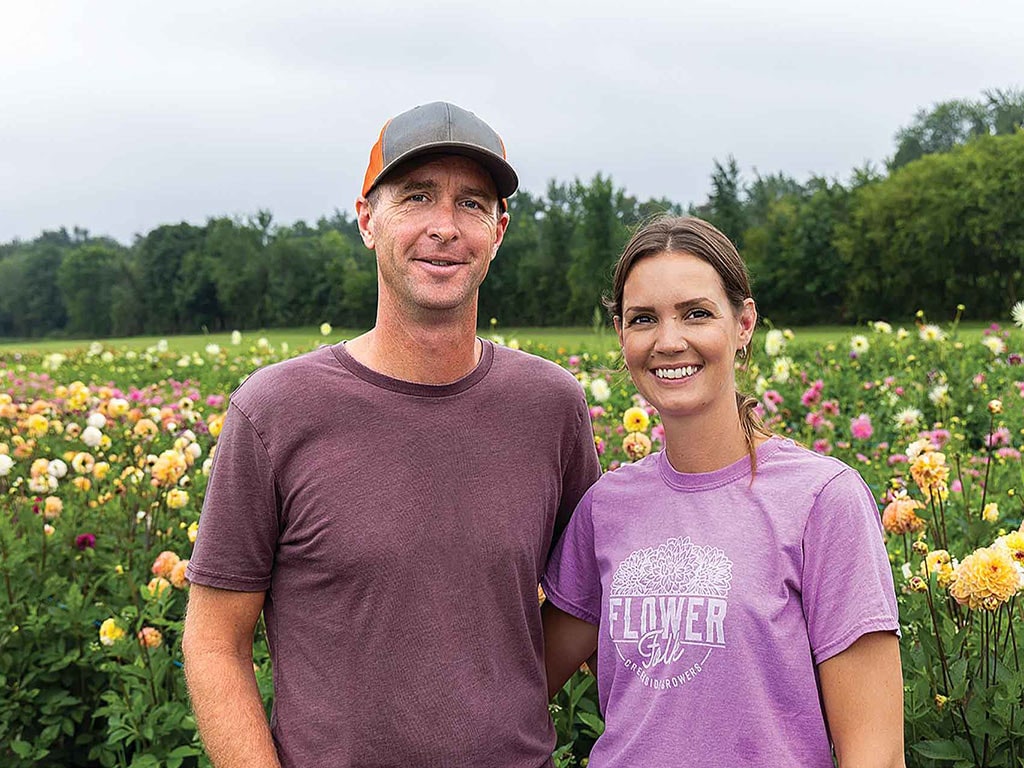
<point x="945" y="673"/>
<point x="942" y="516"/>
<point x="7" y="576"/>
<point x="963" y="488"/>
<point x="988" y="460"/>
<point x="149" y="673"/>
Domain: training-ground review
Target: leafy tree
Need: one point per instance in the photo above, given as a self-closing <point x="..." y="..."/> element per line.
<point x="30" y="300"/>
<point x="350" y="277"/>
<point x="946" y="229"/>
<point x="239" y="270"/>
<point x="1006" y="110"/>
<point x="86" y="278"/>
<point x="953" y="123"/>
<point x="598" y="239"/>
<point x="504" y="295"/>
<point x="724" y="207"/>
<point x="545" y="272"/>
<point x="158" y="257"/>
<point x="296" y="290"/>
<point x="195" y="294"/>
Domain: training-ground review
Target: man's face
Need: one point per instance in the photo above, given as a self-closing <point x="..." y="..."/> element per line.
<point x="435" y="229"/>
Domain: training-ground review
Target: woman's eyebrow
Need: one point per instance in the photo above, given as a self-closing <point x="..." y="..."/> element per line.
<point x="679" y="305"/>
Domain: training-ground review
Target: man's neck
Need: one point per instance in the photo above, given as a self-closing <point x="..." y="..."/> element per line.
<point x="426" y="354"/>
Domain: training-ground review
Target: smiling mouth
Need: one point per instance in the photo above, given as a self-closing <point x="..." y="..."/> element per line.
<point x="441" y="262"/>
<point x="682" y="372"/>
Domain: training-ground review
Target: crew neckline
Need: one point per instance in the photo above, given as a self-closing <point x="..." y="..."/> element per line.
<point x="695" y="481"/>
<point x="378" y="379"/>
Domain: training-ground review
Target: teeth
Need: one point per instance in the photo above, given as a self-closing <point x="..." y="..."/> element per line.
<point x="676" y="373"/>
<point x="442" y="263"/>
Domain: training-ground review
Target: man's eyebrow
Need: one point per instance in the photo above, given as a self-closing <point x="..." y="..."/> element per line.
<point x="486" y="194"/>
<point x="414" y="185"/>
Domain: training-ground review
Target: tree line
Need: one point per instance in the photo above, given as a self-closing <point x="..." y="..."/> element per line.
<point x="940" y="226"/>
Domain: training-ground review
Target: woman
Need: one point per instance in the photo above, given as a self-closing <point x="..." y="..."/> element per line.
<point x="734" y="584"/>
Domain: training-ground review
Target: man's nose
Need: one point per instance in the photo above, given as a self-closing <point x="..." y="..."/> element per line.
<point x="442" y="224"/>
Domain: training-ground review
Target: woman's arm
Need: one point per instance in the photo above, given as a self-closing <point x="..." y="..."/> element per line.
<point x="568" y="642"/>
<point x="862" y="689"/>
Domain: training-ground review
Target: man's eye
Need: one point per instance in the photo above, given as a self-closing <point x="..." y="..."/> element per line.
<point x="472" y="204"/>
<point x="417" y="197"/>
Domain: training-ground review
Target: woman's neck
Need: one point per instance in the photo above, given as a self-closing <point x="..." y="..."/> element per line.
<point x="704" y="442"/>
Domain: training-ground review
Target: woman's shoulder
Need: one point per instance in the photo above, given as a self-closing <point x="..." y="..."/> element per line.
<point x="792" y="462"/>
<point x="801" y="479"/>
<point x="631" y="479"/>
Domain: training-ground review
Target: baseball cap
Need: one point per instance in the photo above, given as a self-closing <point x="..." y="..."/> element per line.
<point x="439" y="128"/>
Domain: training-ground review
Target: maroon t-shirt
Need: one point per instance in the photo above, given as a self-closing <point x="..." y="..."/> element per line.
<point x="399" y="531"/>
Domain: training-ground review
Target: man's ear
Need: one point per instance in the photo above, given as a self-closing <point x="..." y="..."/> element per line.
<point x="364" y="214"/>
<point x="499" y="233"/>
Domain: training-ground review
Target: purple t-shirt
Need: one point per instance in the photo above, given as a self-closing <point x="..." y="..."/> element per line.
<point x="399" y="531"/>
<point x="716" y="598"/>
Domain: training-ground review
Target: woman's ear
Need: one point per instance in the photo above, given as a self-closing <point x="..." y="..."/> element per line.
<point x="747" y="322"/>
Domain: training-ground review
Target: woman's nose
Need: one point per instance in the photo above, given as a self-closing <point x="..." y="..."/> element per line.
<point x="671" y="338"/>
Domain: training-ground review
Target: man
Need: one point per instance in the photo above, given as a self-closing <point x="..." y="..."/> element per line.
<point x="389" y="503"/>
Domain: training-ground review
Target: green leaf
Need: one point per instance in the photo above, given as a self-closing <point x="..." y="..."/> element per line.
<point x="21" y="748"/>
<point x="595" y="723"/>
<point x="579" y="689"/>
<point x="940" y="750"/>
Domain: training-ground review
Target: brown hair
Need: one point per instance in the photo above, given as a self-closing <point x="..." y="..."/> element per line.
<point x="696" y="237"/>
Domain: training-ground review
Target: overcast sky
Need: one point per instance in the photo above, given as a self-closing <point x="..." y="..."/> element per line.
<point x="121" y="115"/>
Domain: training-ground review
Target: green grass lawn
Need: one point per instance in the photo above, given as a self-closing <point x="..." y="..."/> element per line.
<point x="568" y="339"/>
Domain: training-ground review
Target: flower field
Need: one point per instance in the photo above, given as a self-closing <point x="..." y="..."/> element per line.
<point x="104" y="457"/>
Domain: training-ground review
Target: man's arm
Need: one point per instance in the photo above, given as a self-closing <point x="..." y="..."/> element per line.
<point x="217" y="645"/>
<point x="568" y="641"/>
<point x="862" y="688"/>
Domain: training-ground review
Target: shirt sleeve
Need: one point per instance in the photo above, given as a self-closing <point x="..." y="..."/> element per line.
<point x="582" y="469"/>
<point x="847" y="585"/>
<point x="239" y="526"/>
<point x="572" y="580"/>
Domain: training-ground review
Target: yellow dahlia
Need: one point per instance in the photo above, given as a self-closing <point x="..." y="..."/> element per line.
<point x="176" y="498"/>
<point x="635" y="419"/>
<point x="157" y="586"/>
<point x="931" y="474"/>
<point x="145" y="428"/>
<point x="900" y="517"/>
<point x="164" y="563"/>
<point x="636" y="445"/>
<point x="178" y="578"/>
<point x="215" y="424"/>
<point x="150" y="637"/>
<point x="110" y="632"/>
<point x="169" y="467"/>
<point x="83" y="463"/>
<point x="1014" y="542"/>
<point x="986" y="579"/>
<point x="939" y="562"/>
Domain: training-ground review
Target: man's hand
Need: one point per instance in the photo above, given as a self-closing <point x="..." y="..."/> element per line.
<point x="217" y="645"/>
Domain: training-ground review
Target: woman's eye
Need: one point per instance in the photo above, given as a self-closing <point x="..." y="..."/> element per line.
<point x="640" y="320"/>
<point x="699" y="314"/>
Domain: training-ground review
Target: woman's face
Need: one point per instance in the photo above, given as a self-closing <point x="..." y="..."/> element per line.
<point x="680" y="335"/>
